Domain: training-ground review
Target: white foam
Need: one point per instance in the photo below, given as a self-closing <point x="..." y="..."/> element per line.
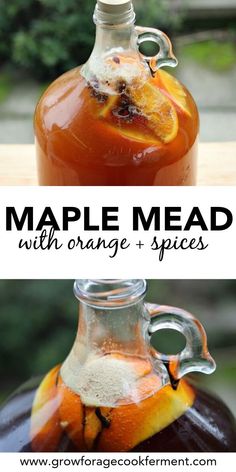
<point x="103" y="381"/>
<point x="127" y="73"/>
<point x="133" y="73"/>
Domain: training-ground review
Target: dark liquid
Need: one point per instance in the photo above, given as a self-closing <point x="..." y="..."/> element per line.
<point x="208" y="426"/>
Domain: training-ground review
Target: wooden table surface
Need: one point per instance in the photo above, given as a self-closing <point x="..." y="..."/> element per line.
<point x="216" y="165"/>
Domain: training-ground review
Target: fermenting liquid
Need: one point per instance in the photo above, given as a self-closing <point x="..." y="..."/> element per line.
<point x="143" y="134"/>
<point x="205" y="424"/>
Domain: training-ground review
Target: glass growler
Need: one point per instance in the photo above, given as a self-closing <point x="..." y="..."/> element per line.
<point x="115" y="392"/>
<point x="120" y="119"/>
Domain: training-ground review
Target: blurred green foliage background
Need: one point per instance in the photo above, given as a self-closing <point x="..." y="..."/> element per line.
<point x="47" y="37"/>
<point x="40" y="39"/>
<point x="38" y="323"/>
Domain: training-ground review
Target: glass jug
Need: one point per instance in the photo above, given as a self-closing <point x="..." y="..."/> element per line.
<point x="115" y="392"/>
<point x="120" y="119"/>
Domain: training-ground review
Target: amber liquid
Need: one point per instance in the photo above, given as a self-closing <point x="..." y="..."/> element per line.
<point x="84" y="137"/>
<point x="208" y="426"/>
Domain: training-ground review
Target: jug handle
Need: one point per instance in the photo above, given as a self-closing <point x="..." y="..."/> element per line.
<point x="195" y="356"/>
<point x="165" y="56"/>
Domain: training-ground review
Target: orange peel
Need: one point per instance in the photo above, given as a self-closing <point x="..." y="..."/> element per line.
<point x="105" y="429"/>
<point x="109" y="105"/>
<point x="134" y="423"/>
<point x="175" y="91"/>
<point x="45" y="428"/>
<point x="71" y="413"/>
<point x="158" y="109"/>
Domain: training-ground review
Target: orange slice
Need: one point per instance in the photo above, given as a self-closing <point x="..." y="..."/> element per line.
<point x="132" y="134"/>
<point x="71" y="413"/>
<point x="139" y="137"/>
<point x="134" y="423"/>
<point x="92" y="427"/>
<point x="57" y="408"/>
<point x="158" y="109"/>
<point x="110" y="103"/>
<point x="175" y="90"/>
<point x="81" y="423"/>
<point x="45" y="429"/>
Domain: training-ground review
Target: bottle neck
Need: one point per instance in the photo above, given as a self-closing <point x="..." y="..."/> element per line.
<point x="105" y="331"/>
<point x="110" y="293"/>
<point x="112" y="318"/>
<point x="114" y="30"/>
<point x="115" y="58"/>
<point x="109" y="39"/>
